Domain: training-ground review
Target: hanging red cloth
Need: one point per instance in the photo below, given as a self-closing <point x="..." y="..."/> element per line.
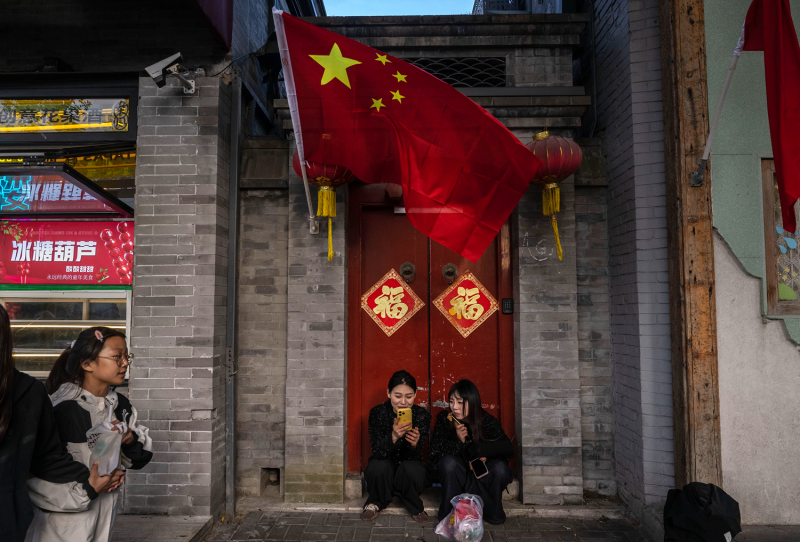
<point x="769" y="28"/>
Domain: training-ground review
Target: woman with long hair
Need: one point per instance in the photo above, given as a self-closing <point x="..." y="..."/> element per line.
<point x="467" y="442"/>
<point x="396" y="467"/>
<point x="97" y="362"/>
<point x="29" y="446"/>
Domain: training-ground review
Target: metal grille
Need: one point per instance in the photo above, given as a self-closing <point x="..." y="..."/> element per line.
<point x="465" y="72"/>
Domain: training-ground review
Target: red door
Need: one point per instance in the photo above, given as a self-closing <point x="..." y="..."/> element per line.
<point x="428" y="346"/>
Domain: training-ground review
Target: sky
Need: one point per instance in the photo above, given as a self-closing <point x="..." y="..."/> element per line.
<point x="398" y="7"/>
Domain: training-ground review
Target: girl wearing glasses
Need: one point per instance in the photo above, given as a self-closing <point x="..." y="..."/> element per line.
<point x="97" y="362"/>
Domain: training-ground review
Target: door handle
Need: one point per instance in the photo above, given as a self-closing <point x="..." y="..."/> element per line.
<point x="449" y="273"/>
<point x="408" y="271"/>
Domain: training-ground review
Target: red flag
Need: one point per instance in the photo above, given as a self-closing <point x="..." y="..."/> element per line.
<point x="462" y="172"/>
<point x="769" y="28"/>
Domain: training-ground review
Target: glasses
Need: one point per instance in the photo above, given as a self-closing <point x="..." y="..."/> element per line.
<point x="119" y="359"/>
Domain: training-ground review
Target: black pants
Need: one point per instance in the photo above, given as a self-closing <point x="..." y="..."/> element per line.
<point x="453" y="472"/>
<point x="407" y="481"/>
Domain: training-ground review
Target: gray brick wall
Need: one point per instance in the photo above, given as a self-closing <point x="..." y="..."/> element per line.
<point x="540" y="67"/>
<point x="594" y="334"/>
<point x="261" y="336"/>
<point x="315" y="365"/>
<point x="178" y="327"/>
<point x="547" y="380"/>
<point x="629" y="94"/>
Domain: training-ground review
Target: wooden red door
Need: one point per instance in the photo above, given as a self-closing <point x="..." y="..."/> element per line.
<point x="428" y="346"/>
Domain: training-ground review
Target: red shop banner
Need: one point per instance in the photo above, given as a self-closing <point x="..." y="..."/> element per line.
<point x="66" y="252"/>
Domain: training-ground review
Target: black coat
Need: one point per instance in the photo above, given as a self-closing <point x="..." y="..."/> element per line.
<point x="381" y="420"/>
<point x="494" y="443"/>
<point x="32" y="447"/>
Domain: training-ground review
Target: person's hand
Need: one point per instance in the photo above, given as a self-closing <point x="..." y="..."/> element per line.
<point x="399" y="431"/>
<point x="117" y="478"/>
<point x="461" y="432"/>
<point x="413" y="437"/>
<point x="101" y="484"/>
<point x="127" y="438"/>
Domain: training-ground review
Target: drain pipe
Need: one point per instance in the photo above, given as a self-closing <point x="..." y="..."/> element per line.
<point x="230" y="328"/>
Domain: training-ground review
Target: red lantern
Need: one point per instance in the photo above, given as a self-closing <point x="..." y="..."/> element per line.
<point x="560" y="157"/>
<point x="328" y="178"/>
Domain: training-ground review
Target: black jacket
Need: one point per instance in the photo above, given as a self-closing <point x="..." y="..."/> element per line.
<point x="494" y="443"/>
<point x="32" y="447"/>
<point x="381" y="420"/>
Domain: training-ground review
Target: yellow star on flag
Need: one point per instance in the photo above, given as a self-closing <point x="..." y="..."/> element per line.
<point x="400" y="77"/>
<point x="335" y="66"/>
<point x="397" y="96"/>
<point x="383" y="60"/>
<point x="377" y="104"/>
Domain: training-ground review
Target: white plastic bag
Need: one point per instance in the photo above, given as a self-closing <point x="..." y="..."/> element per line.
<point x="465" y="522"/>
<point x="105" y="441"/>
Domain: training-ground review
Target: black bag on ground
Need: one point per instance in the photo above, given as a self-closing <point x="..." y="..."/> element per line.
<point x="700" y="513"/>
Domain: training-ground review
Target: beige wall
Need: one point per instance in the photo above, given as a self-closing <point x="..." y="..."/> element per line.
<point x="759" y="388"/>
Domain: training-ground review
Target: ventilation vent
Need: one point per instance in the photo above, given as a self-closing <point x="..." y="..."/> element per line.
<point x="465" y="72"/>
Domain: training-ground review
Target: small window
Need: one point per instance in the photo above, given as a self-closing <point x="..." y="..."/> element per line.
<point x="782" y="249"/>
<point x="42" y="328"/>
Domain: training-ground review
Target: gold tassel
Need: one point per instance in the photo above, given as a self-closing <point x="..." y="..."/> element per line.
<point x="330" y="239"/>
<point x="326" y="201"/>
<point x="558" y="241"/>
<point x="551" y="199"/>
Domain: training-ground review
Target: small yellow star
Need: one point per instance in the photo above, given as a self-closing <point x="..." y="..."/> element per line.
<point x="397" y="96"/>
<point x="383" y="60"/>
<point x="400" y="77"/>
<point x="377" y="104"/>
<point x="335" y="66"/>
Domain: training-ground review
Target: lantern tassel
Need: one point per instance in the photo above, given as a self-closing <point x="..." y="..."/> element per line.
<point x="330" y="239"/>
<point x="326" y="202"/>
<point x="558" y="241"/>
<point x="551" y="199"/>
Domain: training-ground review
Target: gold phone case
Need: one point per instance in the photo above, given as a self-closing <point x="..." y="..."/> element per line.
<point x="404" y="416"/>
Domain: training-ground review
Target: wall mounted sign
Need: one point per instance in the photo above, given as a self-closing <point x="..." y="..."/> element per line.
<point x="70" y="115"/>
<point x="391" y="303"/>
<point x="66" y="252"/>
<point x="466" y="304"/>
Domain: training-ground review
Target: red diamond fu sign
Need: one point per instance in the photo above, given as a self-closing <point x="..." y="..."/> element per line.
<point x="391" y="303"/>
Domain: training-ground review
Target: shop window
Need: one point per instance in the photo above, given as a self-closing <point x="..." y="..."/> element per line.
<point x="42" y="327"/>
<point x="782" y="249"/>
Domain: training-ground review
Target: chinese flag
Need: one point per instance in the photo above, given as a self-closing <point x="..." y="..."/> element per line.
<point x="462" y="172"/>
<point x="769" y="28"/>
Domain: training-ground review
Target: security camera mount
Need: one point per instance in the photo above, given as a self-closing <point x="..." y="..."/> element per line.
<point x="170" y="66"/>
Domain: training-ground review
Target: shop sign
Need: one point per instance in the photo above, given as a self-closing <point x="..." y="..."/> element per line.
<point x="70" y="115"/>
<point x="43" y="194"/>
<point x="391" y="303"/>
<point x="466" y="304"/>
<point x="66" y="252"/>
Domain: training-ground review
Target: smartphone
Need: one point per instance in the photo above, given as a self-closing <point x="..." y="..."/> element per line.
<point x="479" y="467"/>
<point x="404" y="417"/>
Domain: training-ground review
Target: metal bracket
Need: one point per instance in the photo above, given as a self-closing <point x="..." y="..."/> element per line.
<point x="313" y="225"/>
<point x="699" y="176"/>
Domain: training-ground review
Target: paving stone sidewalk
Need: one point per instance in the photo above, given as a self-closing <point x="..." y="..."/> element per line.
<point x="321" y="527"/>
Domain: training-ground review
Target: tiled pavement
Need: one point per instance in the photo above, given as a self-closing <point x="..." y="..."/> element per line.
<point x="320" y="527"/>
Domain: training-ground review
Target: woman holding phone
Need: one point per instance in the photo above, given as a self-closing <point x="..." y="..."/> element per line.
<point x="469" y="442"/>
<point x="396" y="467"/>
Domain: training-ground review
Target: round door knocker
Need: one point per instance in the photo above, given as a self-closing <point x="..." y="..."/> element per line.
<point x="449" y="273"/>
<point x="408" y="271"/>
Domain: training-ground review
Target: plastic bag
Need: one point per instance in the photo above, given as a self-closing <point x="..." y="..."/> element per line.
<point x="465" y="522"/>
<point x="105" y="441"/>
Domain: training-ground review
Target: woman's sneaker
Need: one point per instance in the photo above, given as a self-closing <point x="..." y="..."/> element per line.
<point x="370" y="512"/>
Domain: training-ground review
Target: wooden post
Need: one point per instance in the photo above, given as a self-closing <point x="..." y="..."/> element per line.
<point x="690" y="241"/>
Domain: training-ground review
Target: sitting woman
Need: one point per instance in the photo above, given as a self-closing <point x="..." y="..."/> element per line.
<point x="466" y="433"/>
<point x="396" y="467"/>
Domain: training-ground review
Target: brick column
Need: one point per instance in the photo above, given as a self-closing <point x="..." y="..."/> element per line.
<point x="316" y="363"/>
<point x="178" y="327"/>
<point x="546" y="343"/>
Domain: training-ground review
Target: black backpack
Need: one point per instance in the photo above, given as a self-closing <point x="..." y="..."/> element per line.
<point x="700" y="513"/>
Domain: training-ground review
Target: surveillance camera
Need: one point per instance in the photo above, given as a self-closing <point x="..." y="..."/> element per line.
<point x="159" y="70"/>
